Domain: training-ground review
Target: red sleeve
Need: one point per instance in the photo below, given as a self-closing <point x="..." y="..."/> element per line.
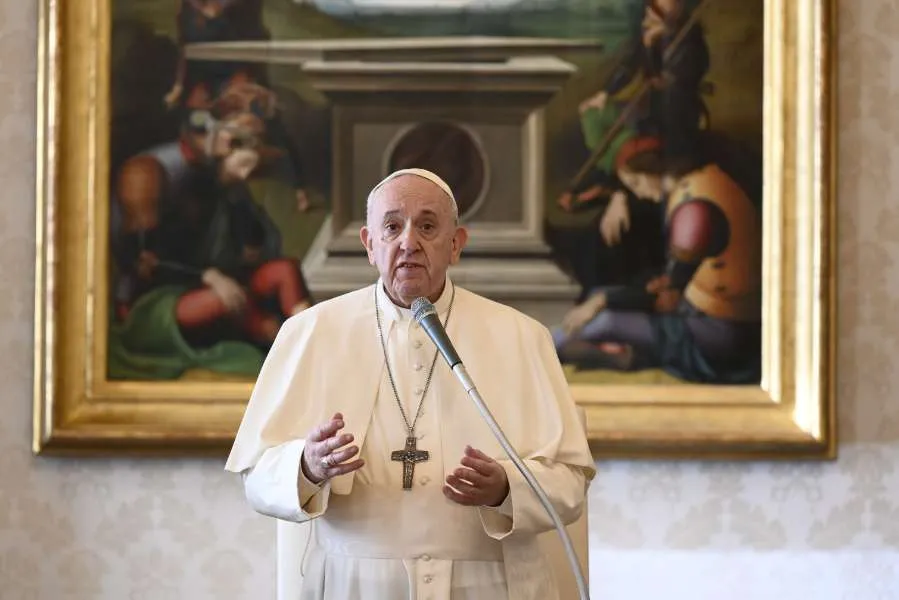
<point x="697" y="229"/>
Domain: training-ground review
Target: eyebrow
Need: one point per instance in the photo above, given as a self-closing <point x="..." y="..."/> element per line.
<point x="425" y="213"/>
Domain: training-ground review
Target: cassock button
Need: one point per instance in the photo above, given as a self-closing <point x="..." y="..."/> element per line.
<point x="425" y="557"/>
<point x="428" y="579"/>
<point x="417" y="366"/>
<point x="417" y="344"/>
<point x="424" y="481"/>
<point x="418" y="391"/>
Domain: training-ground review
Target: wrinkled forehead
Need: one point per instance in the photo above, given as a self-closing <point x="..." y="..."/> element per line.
<point x="410" y="196"/>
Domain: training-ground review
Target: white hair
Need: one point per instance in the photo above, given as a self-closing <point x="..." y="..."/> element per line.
<point x="424" y="174"/>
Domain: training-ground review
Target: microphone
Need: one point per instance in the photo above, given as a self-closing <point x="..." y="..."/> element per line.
<point x="425" y="315"/>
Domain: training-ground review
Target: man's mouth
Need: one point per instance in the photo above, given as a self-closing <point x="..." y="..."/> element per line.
<point x="408" y="265"/>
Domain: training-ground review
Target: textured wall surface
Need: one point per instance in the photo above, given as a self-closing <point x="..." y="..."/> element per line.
<point x="173" y="530"/>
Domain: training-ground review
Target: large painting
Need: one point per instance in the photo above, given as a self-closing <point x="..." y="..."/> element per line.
<point x="651" y="179"/>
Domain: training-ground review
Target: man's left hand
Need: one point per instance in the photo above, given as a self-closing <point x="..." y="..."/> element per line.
<point x="480" y="481"/>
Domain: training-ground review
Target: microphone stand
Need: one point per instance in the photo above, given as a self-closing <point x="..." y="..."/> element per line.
<point x="425" y="315"/>
<point x="467" y="383"/>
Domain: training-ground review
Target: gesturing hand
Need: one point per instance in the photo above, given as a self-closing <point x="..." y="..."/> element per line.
<point x="324" y="453"/>
<point x="229" y="291"/>
<point x="480" y="481"/>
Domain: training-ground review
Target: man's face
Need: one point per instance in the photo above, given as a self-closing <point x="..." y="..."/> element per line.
<point x="234" y="146"/>
<point x="643" y="185"/>
<point x="412" y="238"/>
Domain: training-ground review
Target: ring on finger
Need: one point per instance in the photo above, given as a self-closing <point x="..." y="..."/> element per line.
<point x="326" y="461"/>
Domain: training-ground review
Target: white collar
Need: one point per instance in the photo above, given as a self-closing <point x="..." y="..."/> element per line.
<point x="393" y="312"/>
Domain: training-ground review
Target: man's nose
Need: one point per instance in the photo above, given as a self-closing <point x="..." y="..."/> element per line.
<point x="409" y="239"/>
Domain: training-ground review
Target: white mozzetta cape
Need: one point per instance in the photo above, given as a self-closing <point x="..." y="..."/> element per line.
<point x="328" y="359"/>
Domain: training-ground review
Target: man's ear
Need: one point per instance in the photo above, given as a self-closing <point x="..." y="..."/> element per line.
<point x="365" y="236"/>
<point x="460" y="238"/>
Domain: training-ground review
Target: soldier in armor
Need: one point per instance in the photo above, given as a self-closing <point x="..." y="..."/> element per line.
<point x="700" y="319"/>
<point x="195" y="254"/>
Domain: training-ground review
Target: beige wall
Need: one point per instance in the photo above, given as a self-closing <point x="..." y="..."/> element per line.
<point x="154" y="531"/>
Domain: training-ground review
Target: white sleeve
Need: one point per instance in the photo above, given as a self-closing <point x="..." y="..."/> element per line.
<point x="276" y="486"/>
<point x="522" y="511"/>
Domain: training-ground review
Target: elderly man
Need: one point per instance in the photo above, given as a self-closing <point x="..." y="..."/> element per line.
<point x="352" y="387"/>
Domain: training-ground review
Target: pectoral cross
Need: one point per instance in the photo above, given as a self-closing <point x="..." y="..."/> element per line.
<point x="409" y="456"/>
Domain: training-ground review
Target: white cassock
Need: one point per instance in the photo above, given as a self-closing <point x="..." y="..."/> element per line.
<point x="375" y="540"/>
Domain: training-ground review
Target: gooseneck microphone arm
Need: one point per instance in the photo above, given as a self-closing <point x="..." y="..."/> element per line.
<point x="425" y="315"/>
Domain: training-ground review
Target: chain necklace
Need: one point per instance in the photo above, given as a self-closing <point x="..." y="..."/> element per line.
<point x="409" y="455"/>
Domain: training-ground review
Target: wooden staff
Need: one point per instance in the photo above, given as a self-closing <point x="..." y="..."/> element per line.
<point x="632" y="105"/>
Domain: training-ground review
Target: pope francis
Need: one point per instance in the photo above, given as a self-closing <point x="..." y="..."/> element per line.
<point x="355" y="423"/>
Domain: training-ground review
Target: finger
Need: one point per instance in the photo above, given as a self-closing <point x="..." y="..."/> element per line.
<point x="225" y="297"/>
<point x="481" y="466"/>
<point x="331" y="444"/>
<point x="344" y="468"/>
<point x="326" y="430"/>
<point x="471" y="476"/>
<point x="463" y="487"/>
<point x="459" y="498"/>
<point x="475" y="453"/>
<point x="480" y="462"/>
<point x="344" y="455"/>
<point x="331" y="428"/>
<point x="239" y="298"/>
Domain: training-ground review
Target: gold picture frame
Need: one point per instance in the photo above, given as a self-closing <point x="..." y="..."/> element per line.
<point x="789" y="415"/>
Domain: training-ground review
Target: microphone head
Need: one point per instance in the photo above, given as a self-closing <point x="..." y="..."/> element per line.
<point x="421" y="308"/>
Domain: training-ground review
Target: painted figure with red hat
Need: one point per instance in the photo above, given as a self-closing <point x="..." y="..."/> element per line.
<point x="700" y="317"/>
<point x="201" y="280"/>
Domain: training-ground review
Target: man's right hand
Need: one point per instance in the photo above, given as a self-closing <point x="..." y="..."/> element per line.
<point x="597" y="101"/>
<point x="616" y="219"/>
<point x="228" y="290"/>
<point x="324" y="454"/>
<point x="173" y="95"/>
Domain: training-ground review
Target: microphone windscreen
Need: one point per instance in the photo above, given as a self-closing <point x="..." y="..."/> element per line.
<point x="425" y="315"/>
<point x="421" y="308"/>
